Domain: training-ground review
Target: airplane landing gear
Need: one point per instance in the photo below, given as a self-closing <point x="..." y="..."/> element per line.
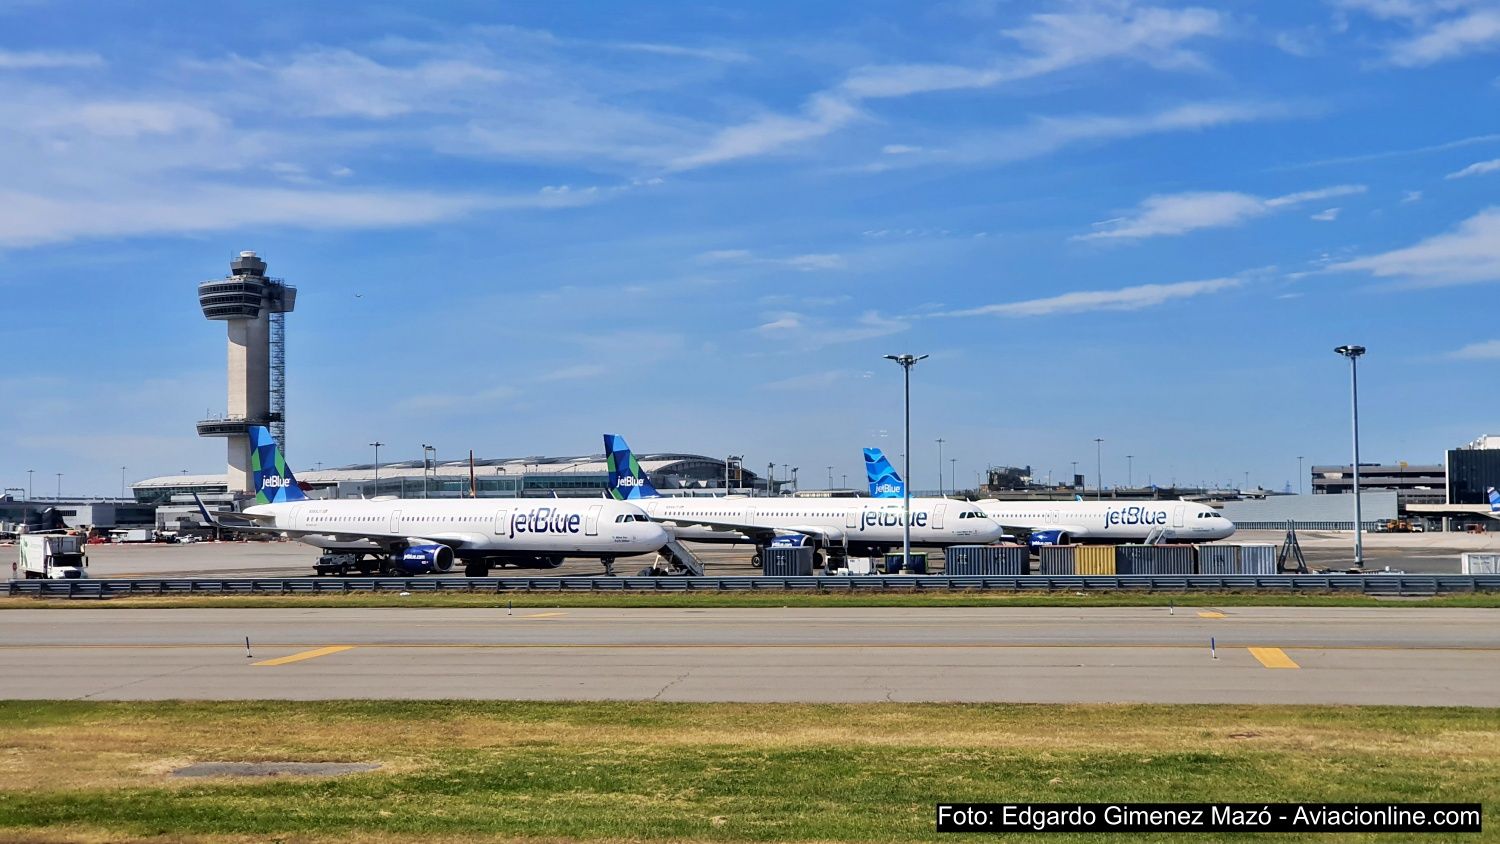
<point x="609" y="566"/>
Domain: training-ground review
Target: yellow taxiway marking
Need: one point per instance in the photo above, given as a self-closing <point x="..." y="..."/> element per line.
<point x="312" y="654"/>
<point x="1210" y="614"/>
<point x="1273" y="658"/>
<point x="544" y="615"/>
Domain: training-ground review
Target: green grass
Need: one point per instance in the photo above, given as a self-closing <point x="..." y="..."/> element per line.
<point x="896" y="598"/>
<point x="640" y="771"/>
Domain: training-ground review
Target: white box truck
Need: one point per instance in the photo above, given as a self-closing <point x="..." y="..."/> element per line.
<point x="51" y="556"/>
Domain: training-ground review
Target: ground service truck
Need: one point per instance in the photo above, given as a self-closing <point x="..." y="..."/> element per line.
<point x="51" y="556"/>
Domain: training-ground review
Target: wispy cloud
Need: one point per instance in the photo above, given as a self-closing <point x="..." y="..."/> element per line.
<point x="1049" y="43"/>
<point x="805" y="333"/>
<point x="47" y="59"/>
<point x="1174" y="214"/>
<point x="808" y="262"/>
<point x="712" y="54"/>
<point x="1121" y="299"/>
<point x="1469" y="254"/>
<point x="1327" y="215"/>
<point x="1486" y="350"/>
<point x="1476" y="169"/>
<point x="1439" y="29"/>
<point x="1460" y="143"/>
<point x="818" y="380"/>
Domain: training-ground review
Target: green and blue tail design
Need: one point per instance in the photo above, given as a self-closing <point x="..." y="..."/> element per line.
<point x="274" y="483"/>
<point x="884" y="482"/>
<point x="626" y="480"/>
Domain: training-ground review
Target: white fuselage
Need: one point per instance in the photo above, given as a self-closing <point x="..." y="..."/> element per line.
<point x="1113" y="521"/>
<point x="874" y="521"/>
<point x="476" y="527"/>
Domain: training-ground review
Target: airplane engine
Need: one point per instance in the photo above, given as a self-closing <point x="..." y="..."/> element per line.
<point x="1050" y="536"/>
<point x="420" y="559"/>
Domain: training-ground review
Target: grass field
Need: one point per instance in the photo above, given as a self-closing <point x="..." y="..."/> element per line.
<point x="72" y="771"/>
<point x="1483" y="600"/>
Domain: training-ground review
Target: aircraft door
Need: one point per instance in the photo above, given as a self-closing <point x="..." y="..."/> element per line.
<point x="851" y="518"/>
<point x="502" y="522"/>
<point x="591" y="522"/>
<point x="1177" y="515"/>
<point x="395" y="521"/>
<point x="937" y="516"/>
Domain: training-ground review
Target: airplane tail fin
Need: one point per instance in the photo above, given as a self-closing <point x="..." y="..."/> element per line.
<point x="884" y="482"/>
<point x="274" y="482"/>
<point x="626" y="480"/>
<point x="1494" y="500"/>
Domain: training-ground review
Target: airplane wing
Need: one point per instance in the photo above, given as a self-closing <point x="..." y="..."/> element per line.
<point x="749" y="531"/>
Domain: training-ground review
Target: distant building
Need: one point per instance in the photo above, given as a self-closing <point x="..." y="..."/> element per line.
<point x="1472" y="469"/>
<point x="1412" y="483"/>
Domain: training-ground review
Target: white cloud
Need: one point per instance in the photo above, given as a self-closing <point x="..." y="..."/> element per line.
<point x="1327" y="215"/>
<point x="817" y="380"/>
<point x="782" y="323"/>
<point x="1471" y="32"/>
<point x="1486" y="350"/>
<point x="899" y="149"/>
<point x="1469" y="254"/>
<point x="803" y="333"/>
<point x="1050" y="42"/>
<point x="1476" y="169"/>
<point x="712" y="54"/>
<point x="130" y="119"/>
<point x="1408" y="197"/>
<point x="1122" y="299"/>
<point x="1179" y="213"/>
<point x="47" y="59"/>
<point x="810" y="262"/>
<point x="28" y="219"/>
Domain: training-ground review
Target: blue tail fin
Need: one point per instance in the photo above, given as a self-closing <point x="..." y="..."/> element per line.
<point x="1494" y="500"/>
<point x="274" y="483"/>
<point x="626" y="480"/>
<point x="884" y="482"/>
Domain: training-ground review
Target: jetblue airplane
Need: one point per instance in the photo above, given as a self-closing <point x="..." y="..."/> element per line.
<point x="422" y="535"/>
<point x="863" y="526"/>
<point x="1062" y="522"/>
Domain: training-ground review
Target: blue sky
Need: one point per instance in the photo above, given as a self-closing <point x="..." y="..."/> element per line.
<point x="514" y="226"/>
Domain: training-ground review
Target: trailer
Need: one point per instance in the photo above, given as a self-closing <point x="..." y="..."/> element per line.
<point x="51" y="556"/>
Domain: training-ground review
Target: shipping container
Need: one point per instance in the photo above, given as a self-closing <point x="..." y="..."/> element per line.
<point x="1258" y="559"/>
<point x="1154" y="559"/>
<point x="1474" y="563"/>
<point x="918" y="563"/>
<point x="1095" y="560"/>
<point x="1218" y="559"/>
<point x="788" y="562"/>
<point x="1057" y="560"/>
<point x="986" y="560"/>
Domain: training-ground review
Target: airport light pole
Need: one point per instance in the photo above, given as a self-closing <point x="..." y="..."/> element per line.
<point x="830" y="477"/>
<point x="28" y="483"/>
<point x="906" y="362"/>
<point x="795" y="488"/>
<point x="428" y="467"/>
<point x="940" y="442"/>
<point x="1353" y="353"/>
<point x="953" y="472"/>
<point x="377" y="444"/>
<point x="1129" y="470"/>
<point x="122" y="481"/>
<point x="1299" y="474"/>
<point x="1073" y="479"/>
<point x="1098" y="468"/>
<point x="59" y="486"/>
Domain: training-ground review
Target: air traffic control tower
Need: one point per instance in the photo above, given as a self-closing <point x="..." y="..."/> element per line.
<point x="255" y="308"/>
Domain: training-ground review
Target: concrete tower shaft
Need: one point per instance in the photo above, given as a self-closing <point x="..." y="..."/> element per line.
<point x="248" y="301"/>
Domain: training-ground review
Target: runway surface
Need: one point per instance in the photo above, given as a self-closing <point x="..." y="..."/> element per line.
<point x="1395" y="655"/>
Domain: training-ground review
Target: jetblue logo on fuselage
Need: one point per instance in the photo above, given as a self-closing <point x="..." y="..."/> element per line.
<point x="544" y="520"/>
<point x="890" y="518"/>
<point x="1135" y="516"/>
<point x="276" y="482"/>
<point x="627" y="480"/>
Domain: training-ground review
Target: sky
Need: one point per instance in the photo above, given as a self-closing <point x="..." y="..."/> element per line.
<point x="516" y="226"/>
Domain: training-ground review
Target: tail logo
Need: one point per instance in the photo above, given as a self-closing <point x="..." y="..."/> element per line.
<point x="884" y="482"/>
<point x="274" y="482"/>
<point x="1494" y="500"/>
<point x="627" y="481"/>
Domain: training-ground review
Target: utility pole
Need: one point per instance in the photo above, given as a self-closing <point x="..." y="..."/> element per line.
<point x="830" y="477"/>
<point x="1299" y="474"/>
<point x="1129" y="470"/>
<point x="28" y="484"/>
<point x="1098" y="468"/>
<point x="1353" y="353"/>
<point x="940" y="442"/>
<point x="377" y="444"/>
<point x="953" y="472"/>
<point x="906" y="362"/>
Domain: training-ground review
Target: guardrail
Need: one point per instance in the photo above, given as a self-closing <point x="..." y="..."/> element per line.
<point x="1352" y="584"/>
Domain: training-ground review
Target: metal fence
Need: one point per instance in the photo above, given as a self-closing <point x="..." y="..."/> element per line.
<point x="1378" y="584"/>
